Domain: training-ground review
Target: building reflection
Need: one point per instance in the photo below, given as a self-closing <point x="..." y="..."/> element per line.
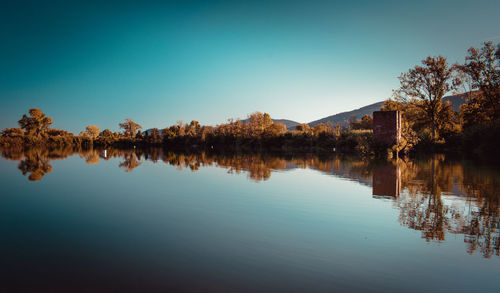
<point x="387" y="180"/>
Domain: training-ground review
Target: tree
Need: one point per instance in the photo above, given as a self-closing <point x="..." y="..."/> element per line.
<point x="483" y="73"/>
<point x="320" y="128"/>
<point x="303" y="127"/>
<point x="181" y="128"/>
<point x="12" y="132"/>
<point x="154" y="135"/>
<point x="106" y="133"/>
<point x="258" y="123"/>
<point x="276" y="129"/>
<point x="36" y="123"/>
<point x="193" y="128"/>
<point x="365" y="123"/>
<point x="130" y="127"/>
<point x="428" y="83"/>
<point x="336" y="129"/>
<point x="92" y="130"/>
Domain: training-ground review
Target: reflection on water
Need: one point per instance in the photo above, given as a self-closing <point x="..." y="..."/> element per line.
<point x="434" y="195"/>
<point x="423" y="207"/>
<point x="387" y="179"/>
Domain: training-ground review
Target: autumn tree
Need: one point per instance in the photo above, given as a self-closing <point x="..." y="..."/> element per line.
<point x="320" y="128"/>
<point x="336" y="129"/>
<point x="303" y="127"/>
<point x="236" y="128"/>
<point x="366" y="122"/>
<point x="36" y="122"/>
<point x="276" y="129"/>
<point x="258" y="123"/>
<point x="153" y="136"/>
<point x="12" y="132"/>
<point x="483" y="72"/>
<point x="106" y="133"/>
<point x="130" y="127"/>
<point x="92" y="131"/>
<point x="193" y="128"/>
<point x="428" y="83"/>
<point x="181" y="128"/>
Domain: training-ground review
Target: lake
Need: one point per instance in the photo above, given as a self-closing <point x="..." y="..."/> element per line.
<point x="158" y="221"/>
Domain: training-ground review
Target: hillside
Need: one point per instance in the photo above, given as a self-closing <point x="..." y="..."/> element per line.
<point x="456" y="100"/>
<point x="344" y="116"/>
<point x="290" y="125"/>
<point x="341" y="118"/>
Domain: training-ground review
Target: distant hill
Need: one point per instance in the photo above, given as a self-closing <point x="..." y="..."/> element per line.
<point x="344" y="116"/>
<point x="341" y="118"/>
<point x="150" y="131"/>
<point x="290" y="125"/>
<point x="456" y="100"/>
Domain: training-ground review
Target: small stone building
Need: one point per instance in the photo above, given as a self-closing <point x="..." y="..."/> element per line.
<point x="387" y="127"/>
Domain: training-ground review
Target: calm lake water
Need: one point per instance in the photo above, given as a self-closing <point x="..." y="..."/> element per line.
<point x="136" y="221"/>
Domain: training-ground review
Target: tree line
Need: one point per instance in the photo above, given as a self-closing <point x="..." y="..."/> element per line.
<point x="428" y="121"/>
<point x="258" y="131"/>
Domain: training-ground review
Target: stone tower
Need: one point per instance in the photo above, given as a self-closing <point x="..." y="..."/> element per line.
<point x="387" y="127"/>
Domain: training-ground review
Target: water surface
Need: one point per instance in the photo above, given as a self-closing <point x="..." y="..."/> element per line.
<point x="158" y="221"/>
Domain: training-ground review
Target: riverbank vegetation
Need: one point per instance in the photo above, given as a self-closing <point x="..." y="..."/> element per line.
<point x="429" y="124"/>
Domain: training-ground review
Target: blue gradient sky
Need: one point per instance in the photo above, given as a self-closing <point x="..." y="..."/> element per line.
<point x="158" y="62"/>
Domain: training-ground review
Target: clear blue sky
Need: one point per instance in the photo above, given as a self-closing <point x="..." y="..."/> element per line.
<point x="99" y="62"/>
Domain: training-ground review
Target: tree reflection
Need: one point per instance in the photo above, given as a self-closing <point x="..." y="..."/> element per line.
<point x="423" y="207"/>
<point x="36" y="166"/>
<point x="130" y="161"/>
<point x="434" y="195"/>
<point x="91" y="156"/>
